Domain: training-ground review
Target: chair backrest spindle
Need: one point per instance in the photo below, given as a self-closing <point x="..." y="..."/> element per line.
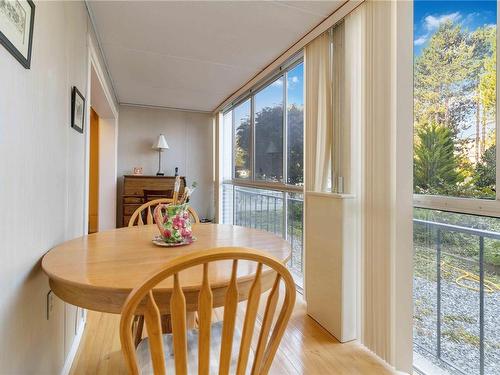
<point x="205" y="304"/>
<point x="179" y="329"/>
<point x="230" y="309"/>
<point x="149" y="218"/>
<point x="152" y="319"/>
<point x="272" y="301"/>
<point x="268" y="339"/>
<point x="249" y="323"/>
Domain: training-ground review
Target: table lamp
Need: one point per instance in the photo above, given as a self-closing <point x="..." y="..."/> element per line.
<point x="160" y="145"/>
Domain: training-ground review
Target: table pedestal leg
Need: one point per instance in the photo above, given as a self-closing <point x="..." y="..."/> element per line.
<point x="166" y="322"/>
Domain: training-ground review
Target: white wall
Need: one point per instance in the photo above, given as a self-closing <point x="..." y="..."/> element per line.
<point x="189" y="136"/>
<point x="41" y="185"/>
<point x="107" y="174"/>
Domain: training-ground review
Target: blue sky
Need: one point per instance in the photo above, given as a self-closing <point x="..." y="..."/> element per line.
<point x="273" y="94"/>
<point x="429" y="14"/>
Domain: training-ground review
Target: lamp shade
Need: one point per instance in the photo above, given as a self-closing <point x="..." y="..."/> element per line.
<point x="272" y="149"/>
<point x="161" y="143"/>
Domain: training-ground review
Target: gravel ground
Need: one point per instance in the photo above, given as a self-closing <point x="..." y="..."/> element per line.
<point x="459" y="326"/>
<point x="296" y="263"/>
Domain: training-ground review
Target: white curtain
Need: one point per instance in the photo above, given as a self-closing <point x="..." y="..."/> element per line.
<point x="354" y="118"/>
<point x="318" y="113"/>
<point x="341" y="138"/>
<point x="359" y="118"/>
<point x="382" y="102"/>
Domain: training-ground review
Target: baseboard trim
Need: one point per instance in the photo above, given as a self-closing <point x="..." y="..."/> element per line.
<point x="74" y="349"/>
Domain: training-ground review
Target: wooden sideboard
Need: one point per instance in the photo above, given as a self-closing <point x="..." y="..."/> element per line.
<point x="156" y="187"/>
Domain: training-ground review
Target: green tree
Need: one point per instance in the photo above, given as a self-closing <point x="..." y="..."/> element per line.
<point x="455" y="87"/>
<point x="269" y="131"/>
<point x="295" y="163"/>
<point x="242" y="135"/>
<point x="269" y="142"/>
<point x="483" y="68"/>
<point x="442" y="79"/>
<point x="435" y="165"/>
<point x="485" y="170"/>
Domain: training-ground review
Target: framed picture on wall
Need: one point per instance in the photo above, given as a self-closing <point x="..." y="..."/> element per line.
<point x="77" y="109"/>
<point x="16" y="28"/>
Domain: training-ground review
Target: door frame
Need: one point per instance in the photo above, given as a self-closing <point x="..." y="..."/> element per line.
<point x="95" y="64"/>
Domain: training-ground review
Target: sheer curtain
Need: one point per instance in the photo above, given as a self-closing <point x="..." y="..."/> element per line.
<point x="318" y="113"/>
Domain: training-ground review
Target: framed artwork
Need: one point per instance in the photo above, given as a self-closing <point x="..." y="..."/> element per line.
<point x="17" y="18"/>
<point x="77" y="109"/>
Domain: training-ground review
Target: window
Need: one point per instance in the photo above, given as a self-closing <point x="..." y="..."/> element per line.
<point x="268" y="127"/>
<point x="263" y="134"/>
<point x="456" y="244"/>
<point x="455" y="98"/>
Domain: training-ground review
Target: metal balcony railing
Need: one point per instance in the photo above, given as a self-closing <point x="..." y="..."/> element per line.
<point x="460" y="282"/>
<point x="279" y="212"/>
<point x="458" y="331"/>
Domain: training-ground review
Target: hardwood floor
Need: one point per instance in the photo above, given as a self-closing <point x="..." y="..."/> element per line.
<point x="306" y="348"/>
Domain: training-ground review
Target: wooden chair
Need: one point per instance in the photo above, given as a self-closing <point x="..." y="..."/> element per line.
<point x="198" y="344"/>
<point x="137" y="215"/>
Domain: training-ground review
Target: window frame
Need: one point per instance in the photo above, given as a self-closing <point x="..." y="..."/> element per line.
<point x="475" y="206"/>
<point x="282" y="72"/>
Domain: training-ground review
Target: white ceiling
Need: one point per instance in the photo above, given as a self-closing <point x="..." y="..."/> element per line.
<point x="192" y="55"/>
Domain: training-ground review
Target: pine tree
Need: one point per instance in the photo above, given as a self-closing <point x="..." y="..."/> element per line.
<point x="435" y="165"/>
<point x="442" y="79"/>
<point x="483" y="63"/>
<point x="486" y="170"/>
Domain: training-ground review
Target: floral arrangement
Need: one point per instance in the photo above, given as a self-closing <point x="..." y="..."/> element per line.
<point x="173" y="219"/>
<point x="173" y="222"/>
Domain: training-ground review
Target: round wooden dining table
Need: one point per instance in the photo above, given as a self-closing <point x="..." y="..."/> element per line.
<point x="98" y="271"/>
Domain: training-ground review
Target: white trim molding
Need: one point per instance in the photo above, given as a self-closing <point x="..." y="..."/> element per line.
<point x="150" y="106"/>
<point x="101" y="74"/>
<point x="483" y="207"/>
<point x="68" y="363"/>
<point x="105" y="68"/>
<point x="94" y="63"/>
<point x="217" y="138"/>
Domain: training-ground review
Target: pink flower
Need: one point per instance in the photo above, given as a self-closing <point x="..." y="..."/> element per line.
<point x="177" y="222"/>
<point x="166" y="233"/>
<point x="186" y="233"/>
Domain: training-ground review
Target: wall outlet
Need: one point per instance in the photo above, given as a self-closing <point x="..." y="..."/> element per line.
<point x="50" y="304"/>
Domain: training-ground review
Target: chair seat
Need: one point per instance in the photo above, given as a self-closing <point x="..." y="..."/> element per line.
<point x="144" y="356"/>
